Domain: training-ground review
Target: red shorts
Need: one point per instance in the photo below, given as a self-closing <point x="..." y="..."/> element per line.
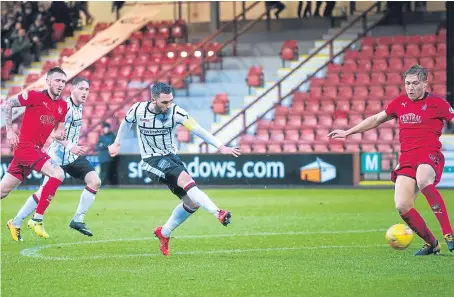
<point x="409" y="162"/>
<point x="25" y="160"/>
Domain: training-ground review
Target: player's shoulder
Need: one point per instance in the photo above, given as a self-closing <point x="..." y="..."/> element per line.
<point x="435" y="99"/>
<point x="30" y="94"/>
<point x="178" y="109"/>
<point x="400" y="98"/>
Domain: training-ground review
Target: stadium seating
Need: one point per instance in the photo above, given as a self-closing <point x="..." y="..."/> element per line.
<point x="359" y="87"/>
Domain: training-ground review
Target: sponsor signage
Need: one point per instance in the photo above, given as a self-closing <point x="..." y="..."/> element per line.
<point x="213" y="169"/>
<point x="296" y="170"/>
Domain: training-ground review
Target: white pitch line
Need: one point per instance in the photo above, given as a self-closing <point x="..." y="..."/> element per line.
<point x="34" y="252"/>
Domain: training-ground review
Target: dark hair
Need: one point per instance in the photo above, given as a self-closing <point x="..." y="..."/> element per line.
<point x="420" y="71"/>
<point x="160" y="88"/>
<point x="79" y="79"/>
<point x="55" y="70"/>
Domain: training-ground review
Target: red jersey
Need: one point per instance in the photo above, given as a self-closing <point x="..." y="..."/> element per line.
<point x="41" y="116"/>
<point x="420" y="122"/>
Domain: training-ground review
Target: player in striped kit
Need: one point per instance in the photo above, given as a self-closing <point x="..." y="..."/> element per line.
<point x="68" y="154"/>
<point x="156" y="122"/>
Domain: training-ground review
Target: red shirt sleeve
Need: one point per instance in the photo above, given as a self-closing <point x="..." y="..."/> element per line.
<point x="446" y="111"/>
<point x="29" y="98"/>
<point x="64" y="105"/>
<point x="391" y="109"/>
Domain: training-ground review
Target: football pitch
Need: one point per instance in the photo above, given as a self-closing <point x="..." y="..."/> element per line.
<point x="282" y="242"/>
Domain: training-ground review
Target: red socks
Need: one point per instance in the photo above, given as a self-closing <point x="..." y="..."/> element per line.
<point x="438" y="207"/>
<point x="48" y="192"/>
<point x="417" y="224"/>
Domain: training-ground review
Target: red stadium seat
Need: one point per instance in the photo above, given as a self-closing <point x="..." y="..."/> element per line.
<point x="379" y="65"/>
<point x="289" y="50"/>
<point x="358" y="106"/>
<point x="441" y="49"/>
<point x="395" y="64"/>
<point x="412" y="50"/>
<point x="289" y="148"/>
<point x="415" y="39"/>
<point x="255" y="76"/>
<point x="362" y="79"/>
<point x="321" y="148"/>
<point x="429" y="39"/>
<point x="394" y="78"/>
<point x="408" y="62"/>
<point x="348" y="79"/>
<point x="332" y="79"/>
<point x="332" y="68"/>
<point x="386" y="40"/>
<point x="440" y="63"/>
<point x="366" y="52"/>
<point x="360" y="92"/>
<point x="427" y="62"/>
<point x="377" y="78"/>
<point x="345" y="92"/>
<point x="304" y="148"/>
<point x="381" y="51"/>
<point x="397" y="51"/>
<point x="428" y="50"/>
<point x="439" y="77"/>
<point x="349" y="66"/>
<point x="400" y="39"/>
<point x="364" y="65"/>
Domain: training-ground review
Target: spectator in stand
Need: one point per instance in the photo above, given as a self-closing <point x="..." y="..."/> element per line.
<point x="39" y="36"/>
<point x="14" y="33"/>
<point x="28" y="17"/>
<point x="8" y="26"/>
<point x="20" y="50"/>
<point x="275" y="5"/>
<point x="59" y="12"/>
<point x="83" y="6"/>
<point x="108" y="164"/>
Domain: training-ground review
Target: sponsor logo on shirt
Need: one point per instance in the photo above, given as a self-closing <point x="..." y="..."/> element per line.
<point x="47" y="120"/>
<point x="153" y="131"/>
<point x="410" y="118"/>
<point x="424" y="107"/>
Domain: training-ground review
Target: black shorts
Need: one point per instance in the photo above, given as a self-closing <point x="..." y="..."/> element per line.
<point x="79" y="168"/>
<point x="166" y="170"/>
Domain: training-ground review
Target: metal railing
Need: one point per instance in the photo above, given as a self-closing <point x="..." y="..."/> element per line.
<point x="278" y="84"/>
<point x="233" y="41"/>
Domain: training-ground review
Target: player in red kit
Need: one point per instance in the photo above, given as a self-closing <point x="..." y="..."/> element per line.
<point x="421" y="118"/>
<point x="44" y="114"/>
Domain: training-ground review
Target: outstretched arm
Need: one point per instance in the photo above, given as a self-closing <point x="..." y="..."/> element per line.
<point x="194" y="127"/>
<point x="7" y="109"/>
<point x="366" y="125"/>
<point x="114" y="148"/>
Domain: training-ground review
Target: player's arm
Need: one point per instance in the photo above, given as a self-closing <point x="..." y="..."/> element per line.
<point x="114" y="148"/>
<point x="192" y="125"/>
<point x="7" y="109"/>
<point x="366" y="125"/>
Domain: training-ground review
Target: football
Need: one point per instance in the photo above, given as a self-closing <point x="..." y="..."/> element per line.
<point x="399" y="236"/>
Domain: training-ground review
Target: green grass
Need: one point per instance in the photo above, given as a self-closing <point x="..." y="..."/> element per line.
<point x="302" y="243"/>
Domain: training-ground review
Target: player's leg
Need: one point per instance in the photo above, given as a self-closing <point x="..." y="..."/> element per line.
<point x="93" y="183"/>
<point x="426" y="178"/>
<point x="404" y="197"/>
<point x="8" y="183"/>
<point x="27" y="209"/>
<point x="56" y="176"/>
<point x="186" y="182"/>
<point x="179" y="215"/>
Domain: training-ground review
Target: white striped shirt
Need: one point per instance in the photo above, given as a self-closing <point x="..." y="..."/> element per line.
<point x="156" y="132"/>
<point x="73" y="124"/>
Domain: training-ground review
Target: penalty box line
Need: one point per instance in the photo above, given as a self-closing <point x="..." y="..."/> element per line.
<point x="34" y="252"/>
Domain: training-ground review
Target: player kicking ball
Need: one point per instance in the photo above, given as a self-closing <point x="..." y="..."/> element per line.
<point x="69" y="156"/>
<point x="420" y="115"/>
<point x="156" y="122"/>
<point x="45" y="113"/>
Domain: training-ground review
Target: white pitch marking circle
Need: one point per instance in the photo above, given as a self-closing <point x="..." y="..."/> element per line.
<point x="34" y="252"/>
